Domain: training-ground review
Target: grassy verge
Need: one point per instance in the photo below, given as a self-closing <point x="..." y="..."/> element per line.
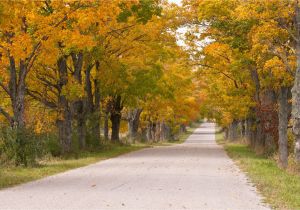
<point x="280" y="188"/>
<point x="17" y="175"/>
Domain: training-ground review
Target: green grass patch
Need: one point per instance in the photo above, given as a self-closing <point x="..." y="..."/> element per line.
<point x="219" y="137"/>
<point x="280" y="188"/>
<point x="10" y="176"/>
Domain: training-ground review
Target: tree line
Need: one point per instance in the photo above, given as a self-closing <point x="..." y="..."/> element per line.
<point x="78" y="70"/>
<point x="249" y="68"/>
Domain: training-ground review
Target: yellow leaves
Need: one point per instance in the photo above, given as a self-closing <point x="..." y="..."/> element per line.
<point x="268" y="33"/>
<point x="218" y="50"/>
<point x="22" y="46"/>
<point x="77" y="40"/>
<point x="277" y="73"/>
<point x="209" y="9"/>
<point x="38" y="127"/>
<point x="264" y="10"/>
<point x="73" y="90"/>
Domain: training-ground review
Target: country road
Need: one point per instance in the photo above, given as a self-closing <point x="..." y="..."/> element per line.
<point x="194" y="175"/>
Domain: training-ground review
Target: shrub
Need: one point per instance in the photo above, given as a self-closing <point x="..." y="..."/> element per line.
<point x="20" y="146"/>
<point x="52" y="144"/>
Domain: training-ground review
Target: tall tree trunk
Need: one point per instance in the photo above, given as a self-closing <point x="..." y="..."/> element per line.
<point x="19" y="122"/>
<point x="92" y="102"/>
<point x="149" y="131"/>
<point x="243" y="128"/>
<point x="144" y="134"/>
<point x="267" y="123"/>
<point x="169" y="133"/>
<point x="233" y="131"/>
<point x="105" y="126"/>
<point x="133" y="124"/>
<point x="296" y="88"/>
<point x="65" y="131"/>
<point x="78" y="105"/>
<point x="282" y="126"/>
<point x="182" y="128"/>
<point x="250" y="131"/>
<point x="17" y="89"/>
<point x="81" y="123"/>
<point x="163" y="131"/>
<point x="97" y="111"/>
<point x="157" y="131"/>
<point x="153" y="131"/>
<point x="115" y="118"/>
<point x="64" y="124"/>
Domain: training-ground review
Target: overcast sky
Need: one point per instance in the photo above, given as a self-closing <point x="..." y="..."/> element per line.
<point x="175" y="1"/>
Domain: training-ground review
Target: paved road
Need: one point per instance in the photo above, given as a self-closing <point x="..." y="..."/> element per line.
<point x="194" y="175"/>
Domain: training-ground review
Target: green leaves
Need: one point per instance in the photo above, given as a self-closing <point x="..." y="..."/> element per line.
<point x="143" y="11"/>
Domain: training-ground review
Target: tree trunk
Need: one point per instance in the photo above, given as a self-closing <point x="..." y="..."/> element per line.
<point x="97" y="112"/>
<point x="163" y="131"/>
<point x="296" y="88"/>
<point x="105" y="126"/>
<point x="243" y="128"/>
<point x="17" y="89"/>
<point x="81" y="125"/>
<point x="226" y="135"/>
<point x="115" y="117"/>
<point x="19" y="122"/>
<point x="182" y="128"/>
<point x="144" y="134"/>
<point x="65" y="131"/>
<point x="78" y="105"/>
<point x="267" y="123"/>
<point x="133" y="124"/>
<point x="282" y="126"/>
<point x="250" y="131"/>
<point x="65" y="124"/>
<point x="168" y="133"/>
<point x="92" y="102"/>
<point x="233" y="131"/>
<point x="153" y="131"/>
<point x="157" y="131"/>
<point x="149" y="132"/>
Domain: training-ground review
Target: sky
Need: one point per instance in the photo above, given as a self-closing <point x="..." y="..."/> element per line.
<point x="175" y="1"/>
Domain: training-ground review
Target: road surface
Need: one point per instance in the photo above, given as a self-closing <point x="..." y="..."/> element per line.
<point x="194" y="175"/>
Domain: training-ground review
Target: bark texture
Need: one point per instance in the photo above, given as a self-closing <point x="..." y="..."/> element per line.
<point x="233" y="133"/>
<point x="115" y="118"/>
<point x="133" y="124"/>
<point x="296" y="88"/>
<point x="64" y="124"/>
<point x="282" y="126"/>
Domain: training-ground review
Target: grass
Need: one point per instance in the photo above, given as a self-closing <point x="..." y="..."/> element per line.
<point x="280" y="188"/>
<point x="11" y="176"/>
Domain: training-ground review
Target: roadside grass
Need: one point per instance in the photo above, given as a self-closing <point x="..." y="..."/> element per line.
<point x="11" y="176"/>
<point x="280" y="188"/>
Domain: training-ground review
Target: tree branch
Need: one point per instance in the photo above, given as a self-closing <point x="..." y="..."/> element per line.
<point x="40" y="98"/>
<point x="5" y="88"/>
<point x="7" y="116"/>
